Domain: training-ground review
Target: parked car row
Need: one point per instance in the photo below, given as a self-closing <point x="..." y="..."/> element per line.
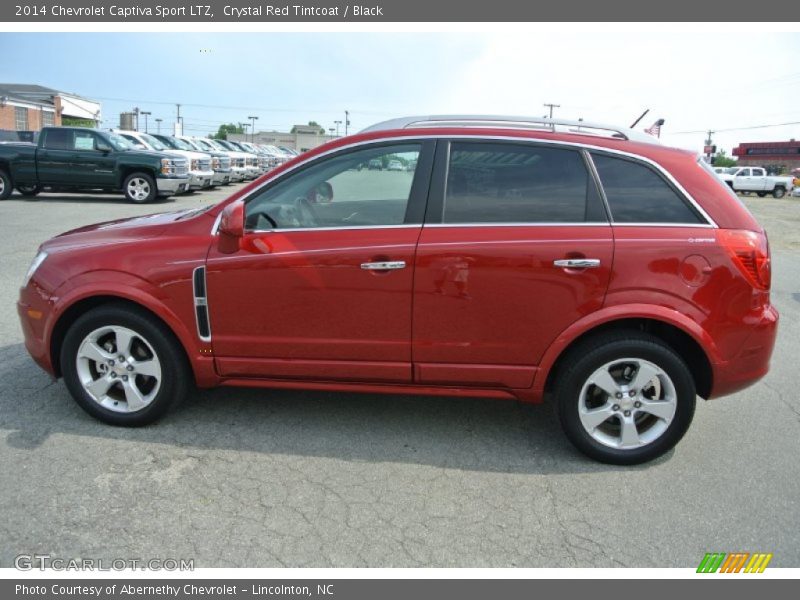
<point x="141" y="166"/>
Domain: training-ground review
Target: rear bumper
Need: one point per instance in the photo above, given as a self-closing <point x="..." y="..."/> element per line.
<point x="172" y="185"/>
<point x="752" y="361"/>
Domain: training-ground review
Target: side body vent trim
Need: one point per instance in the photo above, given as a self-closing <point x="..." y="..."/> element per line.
<point x="201" y="304"/>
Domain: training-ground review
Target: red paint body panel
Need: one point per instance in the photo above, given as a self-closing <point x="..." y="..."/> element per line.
<point x="478" y="311"/>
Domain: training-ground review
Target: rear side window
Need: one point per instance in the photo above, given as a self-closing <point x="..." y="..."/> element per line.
<point x="58" y="139"/>
<point x="518" y="183"/>
<point x="637" y="194"/>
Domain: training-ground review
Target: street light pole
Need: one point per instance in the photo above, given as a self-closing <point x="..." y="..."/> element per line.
<point x="145" y="113"/>
<point x="158" y="124"/>
<point x="337" y="127"/>
<point x="346" y="121"/>
<point x="253" y="129"/>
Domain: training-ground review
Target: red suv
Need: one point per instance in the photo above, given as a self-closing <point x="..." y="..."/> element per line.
<point x="506" y="258"/>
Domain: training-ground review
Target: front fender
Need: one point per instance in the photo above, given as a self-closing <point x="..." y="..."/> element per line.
<point x="125" y="286"/>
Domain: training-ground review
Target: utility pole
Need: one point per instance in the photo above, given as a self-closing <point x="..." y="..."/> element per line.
<point x="551" y="106"/>
<point x="346" y="121"/>
<point x="179" y="123"/>
<point x="136" y="112"/>
<point x="337" y="123"/>
<point x="158" y="124"/>
<point x="253" y="130"/>
<point x="710" y="148"/>
<point x="145" y="113"/>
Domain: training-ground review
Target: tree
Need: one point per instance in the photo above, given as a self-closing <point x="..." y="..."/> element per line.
<point x="226" y="129"/>
<point x="720" y="160"/>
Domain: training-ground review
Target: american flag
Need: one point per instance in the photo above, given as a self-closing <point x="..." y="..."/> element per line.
<point x="655" y="128"/>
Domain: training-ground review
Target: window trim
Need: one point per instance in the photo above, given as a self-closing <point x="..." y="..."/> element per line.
<point x="671" y="184"/>
<point x="418" y="193"/>
<point x="434" y="137"/>
<point x="439" y="190"/>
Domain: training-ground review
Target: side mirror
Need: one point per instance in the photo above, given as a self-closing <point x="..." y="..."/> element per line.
<point x="231" y="227"/>
<point x="103" y="147"/>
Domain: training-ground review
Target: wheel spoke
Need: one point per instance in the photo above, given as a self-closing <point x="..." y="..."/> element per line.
<point x="663" y="409"/>
<point x="124" y="338"/>
<point x="593" y="418"/>
<point x="645" y="373"/>
<point x="99" y="387"/>
<point x="149" y="368"/>
<point x="629" y="435"/>
<point x="133" y="396"/>
<point x="605" y="382"/>
<point x="92" y="351"/>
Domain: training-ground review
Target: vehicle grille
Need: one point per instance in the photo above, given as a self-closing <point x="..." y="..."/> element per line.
<point x="239" y="162"/>
<point x="204" y="164"/>
<point x="253" y="162"/>
<point x="224" y="163"/>
<point x="180" y="166"/>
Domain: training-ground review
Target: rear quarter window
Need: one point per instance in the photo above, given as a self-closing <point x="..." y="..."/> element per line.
<point x="58" y="139"/>
<point x="636" y="193"/>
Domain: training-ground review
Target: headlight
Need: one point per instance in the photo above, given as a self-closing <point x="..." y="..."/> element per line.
<point x="215" y="164"/>
<point x="195" y="164"/>
<point x="34" y="265"/>
<point x="167" y="166"/>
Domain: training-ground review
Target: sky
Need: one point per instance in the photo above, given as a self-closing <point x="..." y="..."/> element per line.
<point x="695" y="81"/>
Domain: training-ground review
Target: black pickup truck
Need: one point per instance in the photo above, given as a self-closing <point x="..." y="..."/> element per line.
<point x="76" y="159"/>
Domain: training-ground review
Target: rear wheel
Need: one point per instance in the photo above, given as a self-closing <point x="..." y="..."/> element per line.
<point x="122" y="366"/>
<point x="624" y="398"/>
<point x="29" y="191"/>
<point x="778" y="192"/>
<point x="140" y="188"/>
<point x="5" y="185"/>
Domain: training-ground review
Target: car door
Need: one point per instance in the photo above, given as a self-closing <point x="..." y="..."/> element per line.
<point x="92" y="166"/>
<point x="758" y="180"/>
<point x="744" y="180"/>
<point x="516" y="246"/>
<point x="55" y="158"/>
<point x="321" y="286"/>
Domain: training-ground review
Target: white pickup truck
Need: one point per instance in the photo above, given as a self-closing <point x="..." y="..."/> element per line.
<point x="755" y="179"/>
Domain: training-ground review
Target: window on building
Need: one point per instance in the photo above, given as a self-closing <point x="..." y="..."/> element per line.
<point x="637" y="194"/>
<point x="21" y="118"/>
<point x="48" y="119"/>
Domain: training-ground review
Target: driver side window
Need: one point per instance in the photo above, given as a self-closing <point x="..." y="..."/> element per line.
<point x="368" y="187"/>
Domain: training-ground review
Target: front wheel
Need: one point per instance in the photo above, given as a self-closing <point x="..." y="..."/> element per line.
<point x="122" y="366"/>
<point x="778" y="192"/>
<point x="29" y="191"/>
<point x="140" y="188"/>
<point x="624" y="398"/>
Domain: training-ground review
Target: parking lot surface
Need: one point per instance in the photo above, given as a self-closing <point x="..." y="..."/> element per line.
<point x="262" y="478"/>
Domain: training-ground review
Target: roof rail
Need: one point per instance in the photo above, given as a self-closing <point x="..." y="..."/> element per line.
<point x="505" y="122"/>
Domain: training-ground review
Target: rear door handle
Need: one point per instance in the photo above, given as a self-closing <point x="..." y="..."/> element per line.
<point x="577" y="263"/>
<point x="389" y="265"/>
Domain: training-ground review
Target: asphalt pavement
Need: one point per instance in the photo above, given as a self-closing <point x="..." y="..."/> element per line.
<point x="261" y="478"/>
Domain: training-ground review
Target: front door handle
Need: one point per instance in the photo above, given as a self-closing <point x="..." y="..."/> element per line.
<point x="577" y="263"/>
<point x="388" y="265"/>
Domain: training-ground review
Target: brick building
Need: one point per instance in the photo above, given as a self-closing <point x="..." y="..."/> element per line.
<point x="25" y="109"/>
<point x="769" y="154"/>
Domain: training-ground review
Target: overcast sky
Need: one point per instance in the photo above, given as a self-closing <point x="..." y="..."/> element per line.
<point x="694" y="81"/>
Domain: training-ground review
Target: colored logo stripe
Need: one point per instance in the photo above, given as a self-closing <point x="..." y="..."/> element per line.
<point x="734" y="562"/>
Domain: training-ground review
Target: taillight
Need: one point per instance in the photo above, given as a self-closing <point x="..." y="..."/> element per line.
<point x="750" y="253"/>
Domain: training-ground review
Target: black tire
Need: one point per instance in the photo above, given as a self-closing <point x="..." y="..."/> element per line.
<point x="778" y="192"/>
<point x="29" y="191"/>
<point x="175" y="372"/>
<point x="589" y="357"/>
<point x="761" y="194"/>
<point x="140" y="188"/>
<point x="5" y="185"/>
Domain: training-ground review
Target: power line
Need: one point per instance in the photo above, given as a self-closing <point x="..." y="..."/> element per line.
<point x="739" y="128"/>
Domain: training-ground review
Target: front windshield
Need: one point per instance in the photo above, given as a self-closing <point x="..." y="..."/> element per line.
<point x="180" y="144"/>
<point x="119" y="142"/>
<point x="154" y="143"/>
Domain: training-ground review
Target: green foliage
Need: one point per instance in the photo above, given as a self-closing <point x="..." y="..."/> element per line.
<point x="721" y="160"/>
<point x="226" y="129"/>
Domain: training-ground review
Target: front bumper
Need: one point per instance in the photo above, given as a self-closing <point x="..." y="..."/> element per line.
<point x="172" y="185"/>
<point x="222" y="177"/>
<point x="199" y="180"/>
<point x="238" y="173"/>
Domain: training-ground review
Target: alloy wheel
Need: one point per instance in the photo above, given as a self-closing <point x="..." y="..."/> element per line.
<point x="138" y="189"/>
